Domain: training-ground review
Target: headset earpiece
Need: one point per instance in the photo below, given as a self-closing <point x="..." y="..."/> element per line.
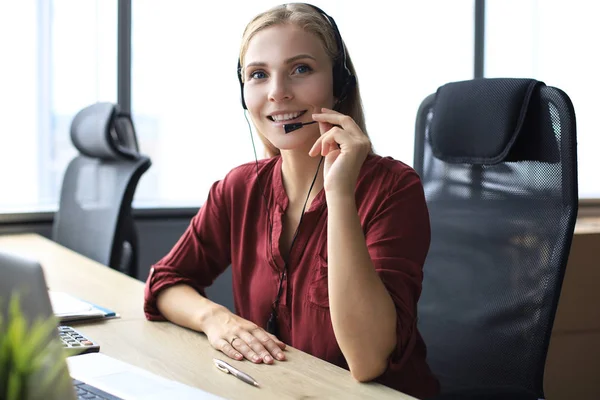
<point x="239" y="74"/>
<point x="344" y="88"/>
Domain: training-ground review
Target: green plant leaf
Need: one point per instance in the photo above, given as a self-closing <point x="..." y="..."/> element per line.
<point x="16" y="332"/>
<point x="4" y="358"/>
<point x="40" y="335"/>
<point x="15" y="386"/>
<point x="32" y="360"/>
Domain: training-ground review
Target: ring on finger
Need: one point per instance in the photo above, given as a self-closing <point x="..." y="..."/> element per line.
<point x="233" y="340"/>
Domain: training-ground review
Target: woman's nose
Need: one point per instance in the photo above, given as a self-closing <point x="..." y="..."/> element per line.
<point x="280" y="89"/>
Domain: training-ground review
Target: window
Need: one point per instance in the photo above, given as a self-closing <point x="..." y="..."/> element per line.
<point x="555" y="42"/>
<point x="58" y="57"/>
<point x="62" y="56"/>
<point x="185" y="93"/>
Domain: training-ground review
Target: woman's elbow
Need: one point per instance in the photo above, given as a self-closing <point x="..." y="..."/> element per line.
<point x="367" y="371"/>
<point x="365" y="367"/>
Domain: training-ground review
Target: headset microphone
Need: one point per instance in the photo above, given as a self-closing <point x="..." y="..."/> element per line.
<point x="292" y="127"/>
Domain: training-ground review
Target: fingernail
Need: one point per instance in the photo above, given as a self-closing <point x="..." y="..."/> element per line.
<point x="268" y="359"/>
<point x="255" y="357"/>
<point x="238" y="355"/>
<point x="280" y="356"/>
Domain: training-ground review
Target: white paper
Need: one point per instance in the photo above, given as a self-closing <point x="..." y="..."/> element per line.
<point x="65" y="305"/>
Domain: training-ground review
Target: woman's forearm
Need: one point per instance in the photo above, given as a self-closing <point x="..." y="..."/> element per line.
<point x="362" y="311"/>
<point x="182" y="305"/>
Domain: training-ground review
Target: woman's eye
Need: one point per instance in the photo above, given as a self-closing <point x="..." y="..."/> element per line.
<point x="258" y="75"/>
<point x="302" y="69"/>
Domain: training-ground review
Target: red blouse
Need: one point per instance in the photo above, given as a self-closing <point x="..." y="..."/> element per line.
<point x="232" y="228"/>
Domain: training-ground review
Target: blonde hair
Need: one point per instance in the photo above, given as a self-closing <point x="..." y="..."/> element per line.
<point x="310" y="20"/>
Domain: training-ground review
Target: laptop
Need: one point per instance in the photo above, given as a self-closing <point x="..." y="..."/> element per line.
<point x="93" y="374"/>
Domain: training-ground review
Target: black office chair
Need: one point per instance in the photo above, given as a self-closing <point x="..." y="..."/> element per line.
<point x="498" y="162"/>
<point x="94" y="216"/>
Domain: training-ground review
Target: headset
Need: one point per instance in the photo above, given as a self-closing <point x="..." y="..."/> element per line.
<point x="343" y="82"/>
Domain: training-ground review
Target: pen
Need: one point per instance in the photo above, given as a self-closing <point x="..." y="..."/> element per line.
<point x="228" y="369"/>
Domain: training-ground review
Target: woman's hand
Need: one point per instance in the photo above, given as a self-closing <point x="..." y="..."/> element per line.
<point x="345" y="148"/>
<point x="239" y="338"/>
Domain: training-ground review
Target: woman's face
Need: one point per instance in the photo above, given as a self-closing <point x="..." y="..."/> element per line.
<point x="288" y="77"/>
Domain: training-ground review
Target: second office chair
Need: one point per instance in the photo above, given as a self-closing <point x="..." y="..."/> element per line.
<point x="94" y="216"/>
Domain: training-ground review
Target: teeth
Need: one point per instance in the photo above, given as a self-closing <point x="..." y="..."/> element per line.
<point x="285" y="117"/>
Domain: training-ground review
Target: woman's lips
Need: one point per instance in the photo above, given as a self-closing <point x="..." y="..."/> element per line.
<point x="287" y="121"/>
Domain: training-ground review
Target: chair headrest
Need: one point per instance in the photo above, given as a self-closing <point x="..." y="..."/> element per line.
<point x="488" y="121"/>
<point x="102" y="131"/>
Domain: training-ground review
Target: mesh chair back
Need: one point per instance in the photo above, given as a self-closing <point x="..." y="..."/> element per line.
<point x="502" y="224"/>
<point x="94" y="216"/>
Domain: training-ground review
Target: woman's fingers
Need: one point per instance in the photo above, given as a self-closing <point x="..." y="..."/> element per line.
<point x="243" y="347"/>
<point x="316" y="149"/>
<point x="243" y="339"/>
<point x="228" y="350"/>
<point x="327" y="142"/>
<point x="335" y="118"/>
<point x="257" y="346"/>
<point x="331" y="140"/>
<point x="270" y="344"/>
<point x="281" y="345"/>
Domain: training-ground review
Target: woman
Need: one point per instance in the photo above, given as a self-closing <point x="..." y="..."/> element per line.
<point x="326" y="240"/>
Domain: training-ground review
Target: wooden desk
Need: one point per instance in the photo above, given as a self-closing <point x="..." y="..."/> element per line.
<point x="178" y="353"/>
<point x="573" y="363"/>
